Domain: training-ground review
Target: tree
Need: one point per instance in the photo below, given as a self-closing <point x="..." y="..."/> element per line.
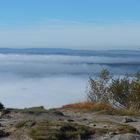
<point x="98" y="89"/>
<point x="119" y="92"/>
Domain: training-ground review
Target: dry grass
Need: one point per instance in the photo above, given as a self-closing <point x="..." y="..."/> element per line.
<point x="103" y="108"/>
<point x="39" y="109"/>
<point x="127" y="129"/>
<point x="88" y="106"/>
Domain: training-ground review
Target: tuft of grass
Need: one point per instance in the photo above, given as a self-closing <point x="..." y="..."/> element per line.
<point x="123" y="129"/>
<point x="102" y="108"/>
<point x="25" y="123"/>
<point x="33" y="110"/>
<point x="120" y="112"/>
<point x="103" y="131"/>
<point x="46" y="130"/>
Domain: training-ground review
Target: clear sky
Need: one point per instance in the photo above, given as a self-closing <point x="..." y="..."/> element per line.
<point x="78" y="24"/>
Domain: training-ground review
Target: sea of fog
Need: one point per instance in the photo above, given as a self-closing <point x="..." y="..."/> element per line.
<point x="54" y="79"/>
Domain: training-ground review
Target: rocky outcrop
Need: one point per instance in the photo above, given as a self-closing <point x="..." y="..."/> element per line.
<point x="64" y="124"/>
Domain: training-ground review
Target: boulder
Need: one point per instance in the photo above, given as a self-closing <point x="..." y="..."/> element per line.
<point x="128" y="119"/>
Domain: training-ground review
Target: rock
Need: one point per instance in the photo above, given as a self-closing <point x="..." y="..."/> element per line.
<point x="105" y="126"/>
<point x="60" y="119"/>
<point x="84" y="119"/>
<point x="66" y="128"/>
<point x="29" y="124"/>
<point x="125" y="137"/>
<point x="56" y="112"/>
<point x="3" y="133"/>
<point x="128" y="119"/>
<point x="1" y="125"/>
<point x="70" y="120"/>
<point x="1" y="114"/>
<point x="94" y="125"/>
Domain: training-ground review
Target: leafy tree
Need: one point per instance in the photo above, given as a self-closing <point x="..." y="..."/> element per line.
<point x="119" y="92"/>
<point x="98" y="89"/>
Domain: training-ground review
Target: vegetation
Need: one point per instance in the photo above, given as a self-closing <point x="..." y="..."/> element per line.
<point x="47" y="130"/>
<point x="88" y="106"/>
<point x="118" y="92"/>
<point x="1" y="107"/>
<point x="123" y="129"/>
<point x="25" y="123"/>
<point x="101" y="108"/>
<point x="35" y="110"/>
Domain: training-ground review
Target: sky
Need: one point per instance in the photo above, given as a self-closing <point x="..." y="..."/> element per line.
<point x="75" y="24"/>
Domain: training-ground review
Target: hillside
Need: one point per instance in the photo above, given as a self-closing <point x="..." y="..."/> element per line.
<point x="69" y="123"/>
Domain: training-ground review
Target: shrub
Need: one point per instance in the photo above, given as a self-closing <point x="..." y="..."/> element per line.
<point x="98" y="90"/>
<point x="135" y="94"/>
<point x="1" y="106"/>
<point x="32" y="110"/>
<point x="119" y="92"/>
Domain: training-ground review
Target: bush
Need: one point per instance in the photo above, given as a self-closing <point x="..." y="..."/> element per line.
<point x="1" y="106"/>
<point x="119" y="92"/>
<point x="32" y="110"/>
<point x="98" y="91"/>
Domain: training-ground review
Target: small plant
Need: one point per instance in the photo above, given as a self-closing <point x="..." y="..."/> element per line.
<point x="127" y="129"/>
<point x="34" y="110"/>
<point x="47" y="130"/>
<point x="25" y="123"/>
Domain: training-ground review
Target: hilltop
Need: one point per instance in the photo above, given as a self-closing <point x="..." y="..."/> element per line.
<point x="82" y="121"/>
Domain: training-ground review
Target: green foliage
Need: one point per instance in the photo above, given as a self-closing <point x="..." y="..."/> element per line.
<point x="25" y="123"/>
<point x="135" y="94"/>
<point x="138" y="76"/>
<point x="98" y="88"/>
<point x="120" y="92"/>
<point x="39" y="109"/>
<point x="104" y="74"/>
<point x="47" y="130"/>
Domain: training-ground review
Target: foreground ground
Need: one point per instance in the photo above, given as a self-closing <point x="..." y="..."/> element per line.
<point x="67" y="124"/>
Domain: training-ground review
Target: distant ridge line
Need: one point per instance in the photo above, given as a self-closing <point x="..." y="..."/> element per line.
<point x="62" y="51"/>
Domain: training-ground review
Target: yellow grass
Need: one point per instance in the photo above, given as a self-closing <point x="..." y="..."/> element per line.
<point x="88" y="105"/>
<point x="104" y="108"/>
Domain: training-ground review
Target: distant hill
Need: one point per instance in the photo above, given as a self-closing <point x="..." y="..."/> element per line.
<point x="61" y="51"/>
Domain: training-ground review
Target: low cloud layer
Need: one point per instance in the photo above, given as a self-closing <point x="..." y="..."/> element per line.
<point x="54" y="80"/>
<point x="48" y="91"/>
<point x="44" y="65"/>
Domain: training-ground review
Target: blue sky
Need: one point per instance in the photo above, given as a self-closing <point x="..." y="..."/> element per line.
<point x="41" y="23"/>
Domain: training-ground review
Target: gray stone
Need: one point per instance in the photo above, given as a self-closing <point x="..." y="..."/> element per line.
<point x="128" y="119"/>
<point x="126" y="137"/>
